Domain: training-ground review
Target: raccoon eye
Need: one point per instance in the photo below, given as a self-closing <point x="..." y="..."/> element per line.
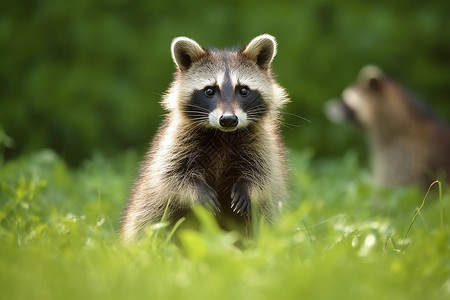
<point x="244" y="91"/>
<point x="209" y="92"/>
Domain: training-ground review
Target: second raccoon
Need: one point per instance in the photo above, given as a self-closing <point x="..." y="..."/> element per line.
<point x="408" y="143"/>
<point x="219" y="145"/>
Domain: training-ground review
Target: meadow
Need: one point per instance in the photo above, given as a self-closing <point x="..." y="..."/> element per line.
<point x="84" y="79"/>
<point x="339" y="238"/>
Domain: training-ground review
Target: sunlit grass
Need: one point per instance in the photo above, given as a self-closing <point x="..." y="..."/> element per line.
<point x="339" y="238"/>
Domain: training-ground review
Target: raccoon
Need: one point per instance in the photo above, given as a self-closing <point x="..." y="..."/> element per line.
<point x="409" y="144"/>
<point x="219" y="145"/>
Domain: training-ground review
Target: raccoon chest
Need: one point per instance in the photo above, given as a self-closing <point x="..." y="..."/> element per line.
<point x="400" y="163"/>
<point x="219" y="158"/>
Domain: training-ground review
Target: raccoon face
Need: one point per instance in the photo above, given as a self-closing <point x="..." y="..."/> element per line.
<point x="365" y="97"/>
<point x="360" y="102"/>
<point x="226" y="90"/>
<point x="226" y="108"/>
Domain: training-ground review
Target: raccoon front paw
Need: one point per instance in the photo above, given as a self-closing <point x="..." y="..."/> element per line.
<point x="207" y="196"/>
<point x="240" y="199"/>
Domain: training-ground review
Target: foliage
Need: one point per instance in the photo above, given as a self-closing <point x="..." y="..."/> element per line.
<point x="86" y="76"/>
<point x="340" y="238"/>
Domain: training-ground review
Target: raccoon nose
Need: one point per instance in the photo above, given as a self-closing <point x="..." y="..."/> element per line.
<point x="228" y="120"/>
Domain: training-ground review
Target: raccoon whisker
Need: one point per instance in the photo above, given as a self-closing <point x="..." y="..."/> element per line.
<point x="204" y="112"/>
<point x="199" y="111"/>
<point x="252" y="119"/>
<point x="196" y="113"/>
<point x="198" y="125"/>
<point x="255" y="114"/>
<point x="202" y="109"/>
<point x="297" y="116"/>
<point x="198" y="121"/>
<point x="290" y="125"/>
<point x="196" y="117"/>
<point x="258" y="107"/>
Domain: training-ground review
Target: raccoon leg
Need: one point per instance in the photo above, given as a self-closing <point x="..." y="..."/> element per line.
<point x="138" y="215"/>
<point x="240" y="198"/>
<point x="207" y="196"/>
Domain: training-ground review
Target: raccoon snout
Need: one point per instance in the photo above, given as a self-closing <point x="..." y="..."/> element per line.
<point x="228" y="120"/>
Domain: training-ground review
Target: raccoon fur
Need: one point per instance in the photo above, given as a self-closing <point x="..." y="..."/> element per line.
<point x="409" y="144"/>
<point x="219" y="145"/>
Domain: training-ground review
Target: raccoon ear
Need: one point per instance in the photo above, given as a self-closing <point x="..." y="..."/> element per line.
<point x="375" y="84"/>
<point x="372" y="76"/>
<point x="185" y="52"/>
<point x="370" y="71"/>
<point x="262" y="49"/>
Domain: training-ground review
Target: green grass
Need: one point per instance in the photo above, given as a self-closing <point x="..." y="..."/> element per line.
<point x="340" y="238"/>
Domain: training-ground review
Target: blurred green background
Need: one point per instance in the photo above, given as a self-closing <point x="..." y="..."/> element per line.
<point x="84" y="76"/>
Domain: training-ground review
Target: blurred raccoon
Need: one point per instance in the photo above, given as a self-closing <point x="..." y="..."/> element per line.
<point x="408" y="143"/>
<point x="219" y="145"/>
